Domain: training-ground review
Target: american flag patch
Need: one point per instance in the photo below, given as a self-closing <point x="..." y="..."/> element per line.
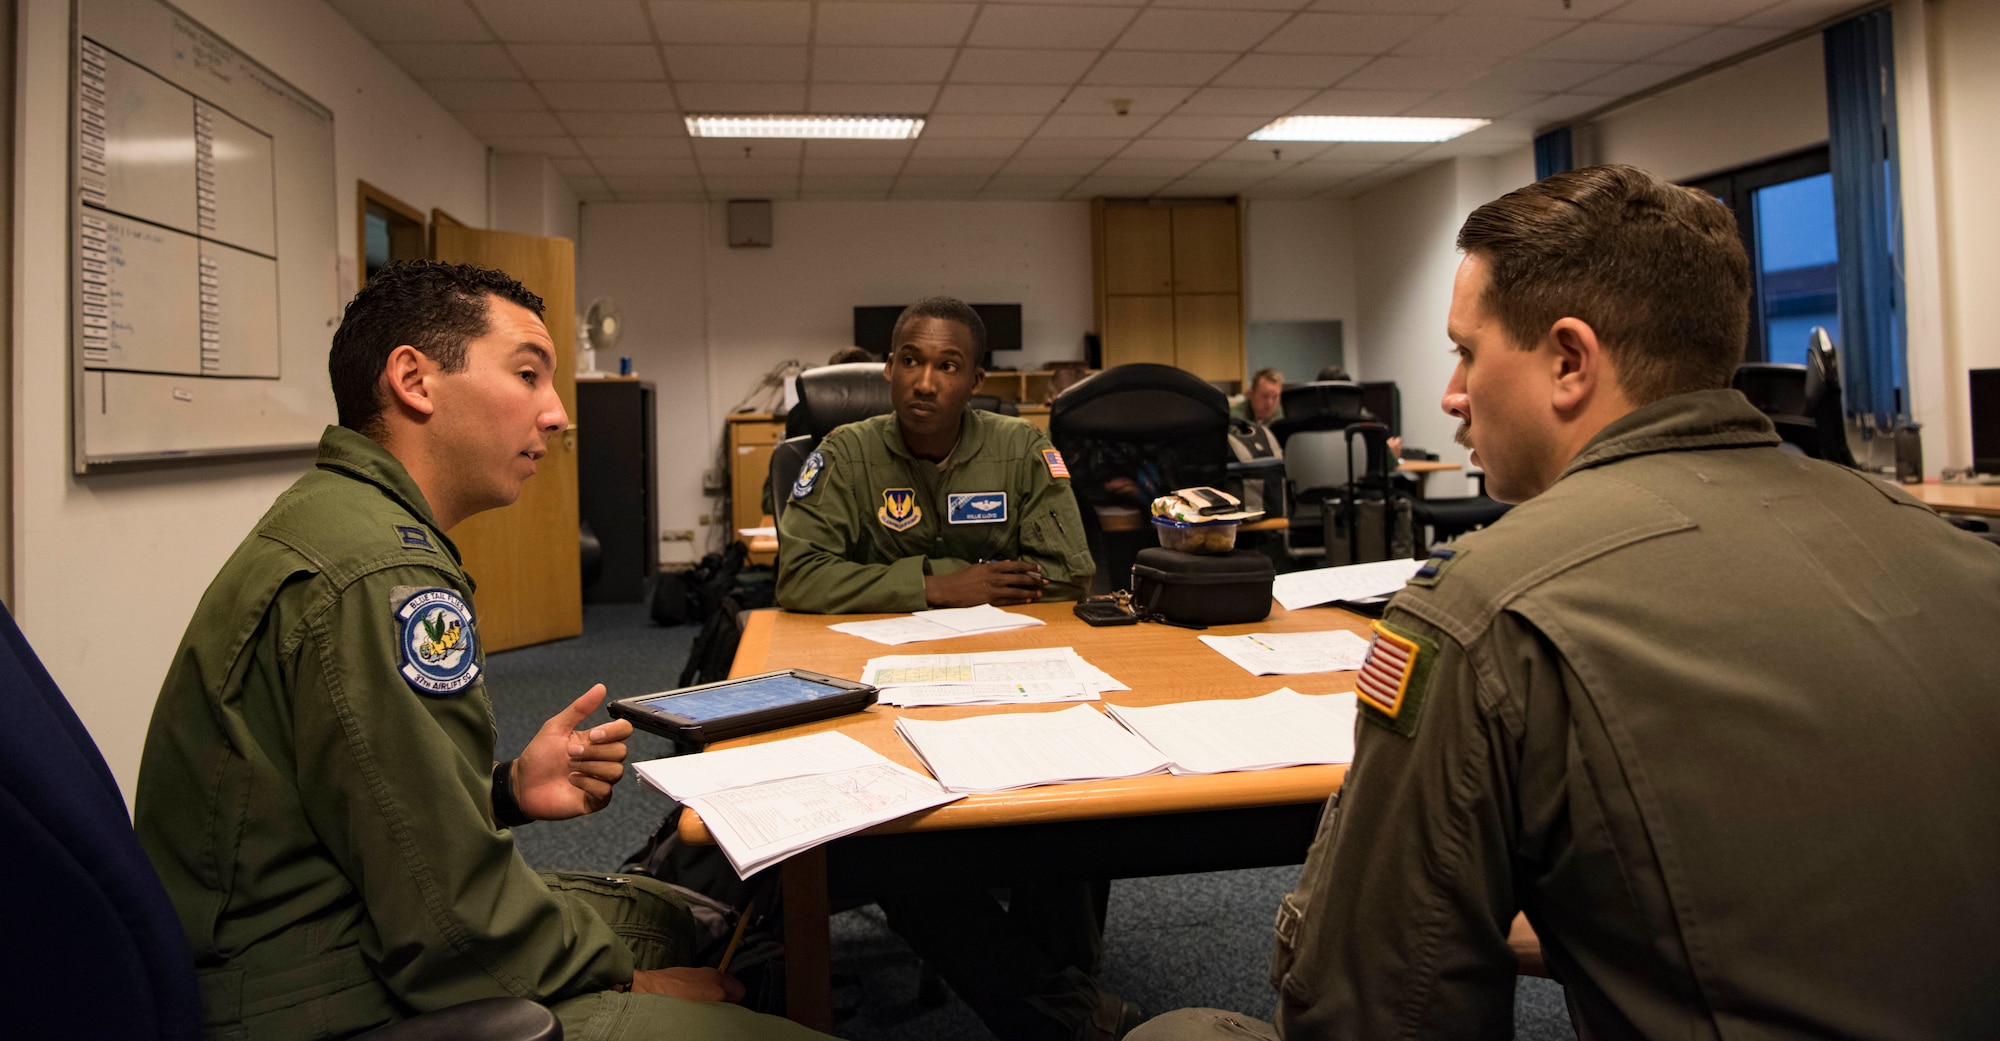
<point x="1385" y="677"/>
<point x="1054" y="459"/>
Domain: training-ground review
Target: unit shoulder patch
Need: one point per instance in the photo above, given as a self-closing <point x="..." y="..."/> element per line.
<point x="1395" y="679"/>
<point x="439" y="643"/>
<point x="1054" y="459"/>
<point x="899" y="511"/>
<point x="808" y="474"/>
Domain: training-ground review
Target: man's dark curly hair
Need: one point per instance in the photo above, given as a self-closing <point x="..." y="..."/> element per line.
<point x="435" y="307"/>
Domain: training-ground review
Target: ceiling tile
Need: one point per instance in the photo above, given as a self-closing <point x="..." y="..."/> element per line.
<point x="1260" y="151"/>
<point x="1050" y="186"/>
<point x="1029" y="25"/>
<point x="607" y="97"/>
<point x="647" y="185"/>
<point x="1072" y="148"/>
<point x="1393" y="73"/>
<point x="954" y="125"/>
<point x="1146" y="168"/>
<point x="1371" y="151"/>
<point x="872" y="98"/>
<point x="1390" y="6"/>
<point x="1314" y="33"/>
<point x="485" y="95"/>
<point x="1206" y="188"/>
<point x="980" y="168"/>
<point x="1344" y="102"/>
<point x="1095" y="126"/>
<point x="1237" y="169"/>
<point x="1565" y="10"/>
<point x="1800" y="14"/>
<point x="1071" y="168"/>
<point x="916" y="25"/>
<point x="588" y="61"/>
<point x="1236" y="5"/>
<point x="1524" y="76"/>
<point x="1715" y="45"/>
<point x="964" y="148"/>
<point x="728" y="148"/>
<point x="549" y="146"/>
<point x="1631" y="79"/>
<point x="857" y="149"/>
<point x="742" y="97"/>
<point x="1115" y="187"/>
<point x="1686" y="12"/>
<point x="1136" y="101"/>
<point x="413" y="21"/>
<point x="1471" y="145"/>
<point x="976" y="99"/>
<point x="635" y="147"/>
<point x="1243" y="101"/>
<point x="510" y="124"/>
<point x="737" y="169"/>
<point x="1312" y="71"/>
<point x="1157" y="69"/>
<point x="1462" y="36"/>
<point x="1557" y="109"/>
<point x="574" y="168"/>
<point x="1209" y="127"/>
<point x="624" y="124"/>
<point x="881" y="64"/>
<point x="1615" y="41"/>
<point x="752" y="187"/>
<point x="452" y="61"/>
<point x="1154" y="149"/>
<point x="938" y="185"/>
<point x="538" y="21"/>
<point x="731" y="21"/>
<point x="1032" y="67"/>
<point x="883" y="168"/>
<point x="718" y="64"/>
<point x="1479" y="104"/>
<point x="845" y="186"/>
<point x="1331" y="172"/>
<point x="646" y="167"/>
<point x="1164" y="30"/>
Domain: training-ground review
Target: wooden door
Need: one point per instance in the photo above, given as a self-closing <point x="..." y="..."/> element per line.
<point x="1138" y="250"/>
<point x="1208" y="335"/>
<point x="1138" y="328"/>
<point x="1206" y="256"/>
<point x="524" y="557"/>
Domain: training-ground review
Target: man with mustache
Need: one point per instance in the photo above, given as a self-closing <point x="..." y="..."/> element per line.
<point x="318" y="791"/>
<point x="1719" y="719"/>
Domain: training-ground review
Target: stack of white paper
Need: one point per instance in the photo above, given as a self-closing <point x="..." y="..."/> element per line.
<point x="1271" y="654"/>
<point x="987" y="678"/>
<point x="1282" y="728"/>
<point x="941" y="624"/>
<point x="765" y="802"/>
<point x="1023" y="749"/>
<point x="1352" y="582"/>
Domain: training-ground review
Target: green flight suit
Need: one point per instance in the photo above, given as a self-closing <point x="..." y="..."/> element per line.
<point x="1721" y="720"/>
<point x="867" y="520"/>
<point x="315" y="794"/>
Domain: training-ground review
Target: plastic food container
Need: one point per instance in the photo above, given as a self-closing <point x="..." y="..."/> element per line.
<point x="1197" y="537"/>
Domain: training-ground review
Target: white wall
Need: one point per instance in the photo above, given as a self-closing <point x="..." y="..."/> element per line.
<point x="1298" y="266"/>
<point x="108" y="568"/>
<point x="1964" y="47"/>
<point x="530" y="197"/>
<point x="1765" y="107"/>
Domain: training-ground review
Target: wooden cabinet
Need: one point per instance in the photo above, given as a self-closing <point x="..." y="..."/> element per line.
<point x="1169" y="283"/>
<point x="752" y="435"/>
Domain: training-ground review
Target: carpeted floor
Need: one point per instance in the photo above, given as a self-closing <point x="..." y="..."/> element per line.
<point x="1171" y="941"/>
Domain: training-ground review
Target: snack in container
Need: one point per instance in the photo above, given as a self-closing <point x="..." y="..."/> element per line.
<point x="1199" y="520"/>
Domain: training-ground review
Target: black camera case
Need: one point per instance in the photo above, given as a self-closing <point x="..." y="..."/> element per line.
<point x="1202" y="588"/>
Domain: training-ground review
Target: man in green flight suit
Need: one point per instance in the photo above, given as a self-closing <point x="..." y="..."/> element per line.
<point x="1718" y="718"/>
<point x="317" y="789"/>
<point x="940" y="505"/>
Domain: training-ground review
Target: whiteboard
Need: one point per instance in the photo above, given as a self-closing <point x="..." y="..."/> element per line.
<point x="203" y="246"/>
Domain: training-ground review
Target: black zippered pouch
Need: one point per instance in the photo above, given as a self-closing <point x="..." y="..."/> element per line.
<point x="1202" y="588"/>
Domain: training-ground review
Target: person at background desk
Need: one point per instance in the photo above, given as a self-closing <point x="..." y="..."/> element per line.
<point x="1262" y="403"/>
<point x="940" y="505"/>
<point x="1720" y="720"/>
<point x="934" y="504"/>
<point x="318" y="791"/>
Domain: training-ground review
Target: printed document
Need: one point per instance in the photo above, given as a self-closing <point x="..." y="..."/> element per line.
<point x="1282" y="728"/>
<point x="1011" y="750"/>
<point x="1038" y="675"/>
<point x="1352" y="582"/>
<point x="1274" y="654"/>
<point x="1002" y="693"/>
<point x="941" y="624"/>
<point x="765" y="802"/>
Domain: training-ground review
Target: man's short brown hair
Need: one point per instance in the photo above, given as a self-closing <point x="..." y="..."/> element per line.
<point x="1272" y="375"/>
<point x="1657" y="270"/>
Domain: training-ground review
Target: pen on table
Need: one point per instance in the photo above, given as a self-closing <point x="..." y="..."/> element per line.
<point x="730" y="951"/>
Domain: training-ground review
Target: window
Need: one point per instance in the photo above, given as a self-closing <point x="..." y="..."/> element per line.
<point x="1784" y="210"/>
<point x="390" y="230"/>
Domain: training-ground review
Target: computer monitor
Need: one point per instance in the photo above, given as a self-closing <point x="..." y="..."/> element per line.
<point x="1986" y="421"/>
<point x="874" y="326"/>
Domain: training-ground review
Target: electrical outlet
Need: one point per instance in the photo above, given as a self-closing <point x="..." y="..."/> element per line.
<point x="703" y="522"/>
<point x="712" y="482"/>
<point x="678" y="535"/>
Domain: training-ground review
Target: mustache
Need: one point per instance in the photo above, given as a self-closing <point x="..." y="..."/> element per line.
<point x="1463" y="436"/>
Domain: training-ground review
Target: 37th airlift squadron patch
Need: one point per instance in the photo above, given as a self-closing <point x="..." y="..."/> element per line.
<point x="1395" y="678"/>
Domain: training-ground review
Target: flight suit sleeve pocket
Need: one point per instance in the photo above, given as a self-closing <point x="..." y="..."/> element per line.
<point x="1295" y="905"/>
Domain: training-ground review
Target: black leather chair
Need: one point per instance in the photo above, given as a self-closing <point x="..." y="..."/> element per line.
<point x="829" y="396"/>
<point x="1317" y="467"/>
<point x="1155" y="426"/>
<point x="93" y="947"/>
<point x="1803" y="401"/>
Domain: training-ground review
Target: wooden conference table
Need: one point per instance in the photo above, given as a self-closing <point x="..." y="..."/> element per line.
<point x="1105" y="829"/>
<point x="1978" y="499"/>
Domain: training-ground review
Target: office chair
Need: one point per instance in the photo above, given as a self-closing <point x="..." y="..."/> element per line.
<point x="829" y="396"/>
<point x="94" y="948"/>
<point x="1130" y="434"/>
<point x="1802" y="401"/>
<point x="1314" y="444"/>
<point x="1320" y="405"/>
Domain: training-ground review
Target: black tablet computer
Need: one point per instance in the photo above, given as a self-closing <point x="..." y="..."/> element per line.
<point x="719" y="711"/>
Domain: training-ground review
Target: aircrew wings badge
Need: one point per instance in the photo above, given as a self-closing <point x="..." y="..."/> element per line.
<point x="1394" y="679"/>
<point x="1057" y="468"/>
<point x="899" y="511"/>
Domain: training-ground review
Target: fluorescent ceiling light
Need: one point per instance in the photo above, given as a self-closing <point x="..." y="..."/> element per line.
<point x="884" y="128"/>
<point x="1365" y="128"/>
